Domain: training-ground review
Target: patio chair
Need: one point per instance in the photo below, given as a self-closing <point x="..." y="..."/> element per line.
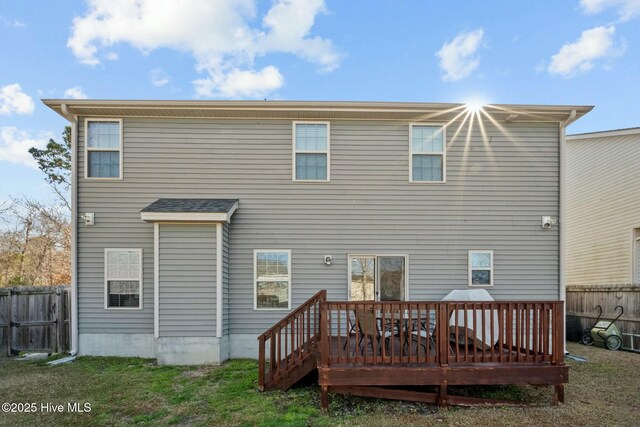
<point x="352" y="327"/>
<point x="370" y="329"/>
<point x="420" y="334"/>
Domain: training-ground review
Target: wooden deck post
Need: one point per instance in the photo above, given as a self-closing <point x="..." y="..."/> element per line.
<point x="324" y="397"/>
<point x="558" y="394"/>
<point x="324" y="353"/>
<point x="559" y="331"/>
<point x="261" y="362"/>
<point x="442" y="394"/>
<point x="324" y="337"/>
<point x="443" y="334"/>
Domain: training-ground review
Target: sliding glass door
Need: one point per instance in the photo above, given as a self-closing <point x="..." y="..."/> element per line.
<point x="377" y="277"/>
<point x="363" y="273"/>
<point x="391" y="278"/>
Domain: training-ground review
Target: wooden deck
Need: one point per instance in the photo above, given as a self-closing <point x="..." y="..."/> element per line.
<point x="377" y="348"/>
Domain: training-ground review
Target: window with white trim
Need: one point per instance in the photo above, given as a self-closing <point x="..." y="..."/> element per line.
<point x="123" y="278"/>
<point x="480" y="268"/>
<point x="311" y="151"/>
<point x="103" y="149"/>
<point x="427" y="151"/>
<point x="272" y="273"/>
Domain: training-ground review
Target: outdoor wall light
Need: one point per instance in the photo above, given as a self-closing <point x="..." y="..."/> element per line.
<point x="548" y="222"/>
<point x="328" y="259"/>
<point x="88" y="218"/>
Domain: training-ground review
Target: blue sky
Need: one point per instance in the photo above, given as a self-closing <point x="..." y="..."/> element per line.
<point x="542" y="52"/>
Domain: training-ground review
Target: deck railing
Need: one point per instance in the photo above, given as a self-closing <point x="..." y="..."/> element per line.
<point x="441" y="333"/>
<point x="290" y="342"/>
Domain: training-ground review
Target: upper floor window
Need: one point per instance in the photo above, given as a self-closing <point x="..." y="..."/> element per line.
<point x="427" y="151"/>
<point x="310" y="151"/>
<point x="480" y="268"/>
<point x="103" y="150"/>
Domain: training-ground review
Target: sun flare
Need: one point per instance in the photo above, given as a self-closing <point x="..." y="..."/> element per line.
<point x="474" y="106"/>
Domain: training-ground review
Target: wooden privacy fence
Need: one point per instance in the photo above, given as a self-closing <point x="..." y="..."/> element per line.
<point x="582" y="312"/>
<point x="34" y="318"/>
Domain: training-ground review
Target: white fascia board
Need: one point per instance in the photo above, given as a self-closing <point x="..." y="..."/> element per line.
<point x="189" y="216"/>
<point x="603" y="134"/>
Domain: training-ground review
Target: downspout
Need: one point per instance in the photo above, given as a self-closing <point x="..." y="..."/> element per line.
<point x="73" y="119"/>
<point x="562" y="291"/>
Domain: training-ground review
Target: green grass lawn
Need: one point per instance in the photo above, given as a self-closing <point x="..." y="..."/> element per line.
<point x="605" y="391"/>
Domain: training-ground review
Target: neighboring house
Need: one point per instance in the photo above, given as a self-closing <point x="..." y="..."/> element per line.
<point x="198" y="224"/>
<point x="603" y="231"/>
<point x="603" y="207"/>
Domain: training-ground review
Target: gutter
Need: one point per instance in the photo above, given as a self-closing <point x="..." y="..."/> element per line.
<point x="562" y="287"/>
<point x="73" y="119"/>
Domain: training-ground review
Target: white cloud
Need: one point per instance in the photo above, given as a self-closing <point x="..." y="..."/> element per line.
<point x="237" y="83"/>
<point x="75" y="92"/>
<point x="159" y="77"/>
<point x="14" y="100"/>
<point x="457" y="59"/>
<point x="626" y="9"/>
<point x="15" y="144"/>
<point x="13" y="23"/>
<point x="223" y="36"/>
<point x="579" y="56"/>
<point x="111" y="56"/>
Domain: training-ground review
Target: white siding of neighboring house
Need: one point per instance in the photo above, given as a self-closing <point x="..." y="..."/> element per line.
<point x="603" y="207"/>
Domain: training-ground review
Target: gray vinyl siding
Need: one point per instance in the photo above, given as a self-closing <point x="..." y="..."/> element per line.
<point x="496" y="191"/>
<point x="603" y="207"/>
<point x="187" y="280"/>
<point x="225" y="279"/>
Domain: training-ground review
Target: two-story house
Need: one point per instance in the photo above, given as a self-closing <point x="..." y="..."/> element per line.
<point x="198" y="224"/>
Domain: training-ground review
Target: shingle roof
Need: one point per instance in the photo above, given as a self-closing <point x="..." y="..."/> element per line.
<point x="191" y="205"/>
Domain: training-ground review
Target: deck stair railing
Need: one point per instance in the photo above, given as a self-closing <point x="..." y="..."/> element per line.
<point x="288" y="350"/>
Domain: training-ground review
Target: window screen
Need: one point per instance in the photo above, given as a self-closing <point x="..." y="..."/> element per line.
<point x="103" y="149"/>
<point x="123" y="278"/>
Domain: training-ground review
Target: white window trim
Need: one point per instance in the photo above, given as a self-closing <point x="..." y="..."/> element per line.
<point x="635" y="237"/>
<point x="87" y="149"/>
<point x="634" y="261"/>
<point x="490" y="269"/>
<point x="443" y="152"/>
<point x="376" y="256"/>
<point x="255" y="279"/>
<point x="327" y="151"/>
<point x="106" y="278"/>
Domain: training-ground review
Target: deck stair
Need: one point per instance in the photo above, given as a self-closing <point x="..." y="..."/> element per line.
<point x="288" y="351"/>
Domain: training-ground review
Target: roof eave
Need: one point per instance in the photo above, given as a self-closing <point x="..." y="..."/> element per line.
<point x="604" y="134"/>
<point x="279" y="108"/>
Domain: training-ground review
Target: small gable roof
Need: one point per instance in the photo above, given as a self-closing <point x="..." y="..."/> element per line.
<point x="207" y="210"/>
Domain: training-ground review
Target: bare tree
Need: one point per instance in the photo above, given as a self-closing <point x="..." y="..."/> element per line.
<point x="35" y="246"/>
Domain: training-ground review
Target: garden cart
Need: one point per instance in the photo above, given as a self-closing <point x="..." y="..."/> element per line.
<point x="604" y="333"/>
